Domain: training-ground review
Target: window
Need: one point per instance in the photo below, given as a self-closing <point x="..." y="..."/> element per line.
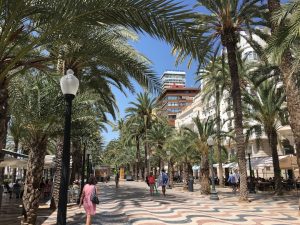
<point x="251" y="56"/>
<point x="175" y="110"/>
<point x="172" y="97"/>
<point x="172" y="117"/>
<point x="172" y="103"/>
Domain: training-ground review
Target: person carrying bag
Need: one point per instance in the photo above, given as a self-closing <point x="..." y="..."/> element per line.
<point x="89" y="199"/>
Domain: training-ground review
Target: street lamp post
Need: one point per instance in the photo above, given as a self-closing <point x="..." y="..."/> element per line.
<point x="69" y="86"/>
<point x="213" y="192"/>
<point x="147" y="155"/>
<point x="251" y="185"/>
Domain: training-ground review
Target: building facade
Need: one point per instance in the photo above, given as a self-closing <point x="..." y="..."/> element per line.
<point x="174" y="100"/>
<point x="173" y="79"/>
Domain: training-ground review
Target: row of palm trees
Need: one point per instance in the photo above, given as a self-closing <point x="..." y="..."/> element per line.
<point x="263" y="109"/>
<point x="219" y="31"/>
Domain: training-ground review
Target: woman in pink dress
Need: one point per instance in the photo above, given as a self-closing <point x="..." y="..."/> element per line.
<point x="89" y="207"/>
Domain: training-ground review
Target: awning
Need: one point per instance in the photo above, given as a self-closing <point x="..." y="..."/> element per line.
<point x="288" y="162"/>
<point x="22" y="163"/>
<point x="14" y="163"/>
<point x="285" y="162"/>
<point x="231" y="165"/>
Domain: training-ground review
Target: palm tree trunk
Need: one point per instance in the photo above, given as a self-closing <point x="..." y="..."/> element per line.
<point x="76" y="160"/>
<point x="145" y="161"/>
<point x="138" y="158"/>
<point x="221" y="176"/>
<point x="3" y="126"/>
<point x="185" y="176"/>
<point x="272" y="136"/>
<point x="16" y="142"/>
<point x="290" y="85"/>
<point x="57" y="174"/>
<point x="33" y="179"/>
<point x="172" y="171"/>
<point x="230" y="41"/>
<point x="204" y="175"/>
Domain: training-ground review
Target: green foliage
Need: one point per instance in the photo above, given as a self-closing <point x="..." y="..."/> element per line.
<point x="37" y="102"/>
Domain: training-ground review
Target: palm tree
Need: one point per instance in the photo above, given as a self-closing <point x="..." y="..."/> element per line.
<point x="282" y="45"/>
<point x="182" y="153"/>
<point x="199" y="137"/>
<point x="266" y="108"/>
<point x="132" y="133"/>
<point x="221" y="26"/>
<point x="40" y="103"/>
<point x="143" y="109"/>
<point x="157" y="136"/>
<point x="216" y="80"/>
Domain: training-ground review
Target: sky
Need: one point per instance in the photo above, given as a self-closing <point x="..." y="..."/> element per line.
<point x="159" y="53"/>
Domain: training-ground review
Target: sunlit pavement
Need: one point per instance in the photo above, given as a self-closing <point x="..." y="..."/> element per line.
<point x="131" y="204"/>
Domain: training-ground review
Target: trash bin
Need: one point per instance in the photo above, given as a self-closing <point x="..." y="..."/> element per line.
<point x="191" y="184"/>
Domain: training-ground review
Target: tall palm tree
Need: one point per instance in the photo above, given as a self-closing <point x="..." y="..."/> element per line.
<point x="157" y="136"/>
<point x="40" y="104"/>
<point x="266" y="108"/>
<point x="182" y="153"/>
<point x="132" y="133"/>
<point x="221" y="27"/>
<point x="282" y="46"/>
<point x="199" y="136"/>
<point x="143" y="109"/>
<point x="216" y="80"/>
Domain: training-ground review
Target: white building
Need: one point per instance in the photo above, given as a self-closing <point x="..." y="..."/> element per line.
<point x="207" y="109"/>
<point x="172" y="78"/>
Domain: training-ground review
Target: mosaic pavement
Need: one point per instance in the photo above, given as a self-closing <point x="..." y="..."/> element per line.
<point x="132" y="205"/>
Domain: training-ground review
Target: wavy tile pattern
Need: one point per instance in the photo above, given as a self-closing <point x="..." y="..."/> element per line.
<point x="132" y="205"/>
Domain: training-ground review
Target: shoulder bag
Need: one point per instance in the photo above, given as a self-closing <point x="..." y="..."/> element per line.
<point x="94" y="197"/>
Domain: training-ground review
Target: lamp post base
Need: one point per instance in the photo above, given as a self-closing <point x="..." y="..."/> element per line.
<point x="214" y="195"/>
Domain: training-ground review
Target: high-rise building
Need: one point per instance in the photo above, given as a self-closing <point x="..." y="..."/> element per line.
<point x="172" y="79"/>
<point x="175" y="95"/>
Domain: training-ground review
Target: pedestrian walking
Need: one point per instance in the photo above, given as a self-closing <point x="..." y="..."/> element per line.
<point x="10" y="189"/>
<point x="17" y="189"/>
<point x="88" y="190"/>
<point x="117" y="178"/>
<point x="151" y="181"/>
<point x="47" y="189"/>
<point x="233" y="181"/>
<point x="163" y="181"/>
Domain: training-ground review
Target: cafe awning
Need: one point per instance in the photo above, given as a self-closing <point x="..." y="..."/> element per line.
<point x="22" y="163"/>
<point x="285" y="162"/>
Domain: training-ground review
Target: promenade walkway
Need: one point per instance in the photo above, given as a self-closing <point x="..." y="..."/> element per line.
<point x="132" y="205"/>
